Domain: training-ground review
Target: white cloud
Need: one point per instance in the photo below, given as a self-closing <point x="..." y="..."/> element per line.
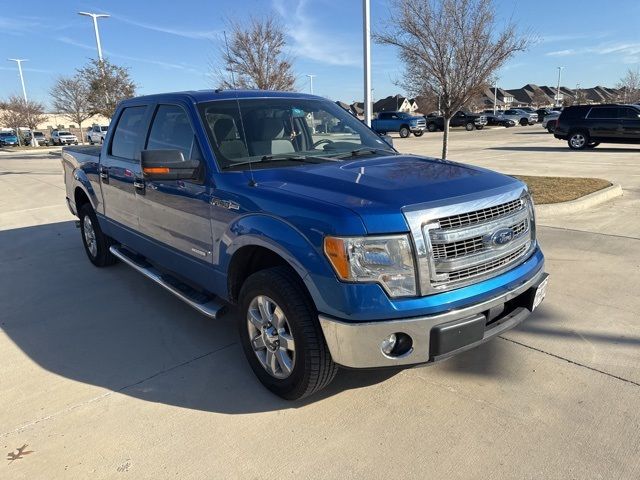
<point x="625" y="52"/>
<point x="562" y="53"/>
<point x="312" y="41"/>
<point x="180" y="32"/>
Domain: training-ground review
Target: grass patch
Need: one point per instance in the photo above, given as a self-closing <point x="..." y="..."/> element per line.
<point x="561" y="189"/>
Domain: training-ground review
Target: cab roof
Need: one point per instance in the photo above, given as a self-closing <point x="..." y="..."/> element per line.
<point x="199" y="96"/>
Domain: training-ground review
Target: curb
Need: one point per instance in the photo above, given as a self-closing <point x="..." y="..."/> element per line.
<point x="30" y="152"/>
<point x="580" y="204"/>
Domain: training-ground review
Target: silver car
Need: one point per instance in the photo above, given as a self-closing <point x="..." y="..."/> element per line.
<point x="520" y="116"/>
<point x="550" y="119"/>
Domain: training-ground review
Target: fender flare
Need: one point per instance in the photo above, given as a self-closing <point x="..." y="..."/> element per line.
<point x="285" y="240"/>
<point x="82" y="182"/>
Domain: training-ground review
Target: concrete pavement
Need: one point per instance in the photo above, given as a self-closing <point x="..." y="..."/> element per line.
<point x="106" y="375"/>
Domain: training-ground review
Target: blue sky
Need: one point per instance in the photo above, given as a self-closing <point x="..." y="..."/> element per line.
<point x="172" y="45"/>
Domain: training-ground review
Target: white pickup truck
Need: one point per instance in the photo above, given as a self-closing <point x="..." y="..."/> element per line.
<point x="96" y="134"/>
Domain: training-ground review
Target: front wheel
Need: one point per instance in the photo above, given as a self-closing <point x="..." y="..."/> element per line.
<point x="418" y="133"/>
<point x="593" y="144"/>
<point x="96" y="243"/>
<point x="404" y="132"/>
<point x="550" y="128"/>
<point x="578" y="140"/>
<point x="281" y="335"/>
<point x="524" y="122"/>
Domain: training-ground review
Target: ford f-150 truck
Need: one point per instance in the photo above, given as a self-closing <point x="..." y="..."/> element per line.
<point x="400" y="122"/>
<point x="337" y="249"/>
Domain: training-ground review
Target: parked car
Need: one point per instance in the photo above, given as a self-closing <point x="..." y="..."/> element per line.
<point x="543" y="112"/>
<point x="586" y="126"/>
<point x="520" y="116"/>
<point x="461" y="118"/>
<point x="40" y="137"/>
<point x="494" y="119"/>
<point x="400" y="122"/>
<point x="8" y="139"/>
<point x="63" y="137"/>
<point x="96" y="134"/>
<point x="550" y="120"/>
<point x="337" y="249"/>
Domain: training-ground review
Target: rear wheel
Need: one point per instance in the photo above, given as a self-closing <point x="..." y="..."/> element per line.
<point x="96" y="243"/>
<point x="281" y="335"/>
<point x="578" y="140"/>
<point x="469" y="126"/>
<point x="404" y="132"/>
<point x="550" y="128"/>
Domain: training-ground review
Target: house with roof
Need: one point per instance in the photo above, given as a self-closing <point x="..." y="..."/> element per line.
<point x="395" y="103"/>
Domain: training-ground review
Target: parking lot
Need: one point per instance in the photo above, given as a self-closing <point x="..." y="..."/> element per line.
<point x="106" y="374"/>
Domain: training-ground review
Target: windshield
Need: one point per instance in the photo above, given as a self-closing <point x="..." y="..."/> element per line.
<point x="103" y="129"/>
<point x="38" y="134"/>
<point x="6" y="134"/>
<point x="279" y="131"/>
<point x="64" y="133"/>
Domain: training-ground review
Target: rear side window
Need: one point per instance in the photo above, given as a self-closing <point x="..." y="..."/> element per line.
<point x="384" y="116"/>
<point x="603" y="112"/>
<point x="171" y="130"/>
<point x="126" y="138"/>
<point x="574" y="112"/>
<point x="630" y="113"/>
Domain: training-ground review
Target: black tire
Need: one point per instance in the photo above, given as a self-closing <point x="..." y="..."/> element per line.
<point x="578" y="140"/>
<point x="469" y="126"/>
<point x="524" y="122"/>
<point x="418" y="133"/>
<point x="404" y="132"/>
<point x="101" y="141"/>
<point x="102" y="256"/>
<point x="313" y="367"/>
<point x="550" y="128"/>
<point x="431" y="127"/>
<point x="593" y="144"/>
<point x="479" y="127"/>
<point x="90" y="141"/>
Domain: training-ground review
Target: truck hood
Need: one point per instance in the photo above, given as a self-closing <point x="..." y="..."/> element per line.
<point x="377" y="189"/>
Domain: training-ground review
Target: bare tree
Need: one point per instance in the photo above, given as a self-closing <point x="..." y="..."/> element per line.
<point x="17" y="112"/>
<point x="630" y="86"/>
<point x="255" y="58"/>
<point x="107" y="85"/>
<point x="71" y="98"/>
<point x="451" y="47"/>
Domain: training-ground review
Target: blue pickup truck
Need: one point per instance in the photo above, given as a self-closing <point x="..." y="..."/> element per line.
<point x="401" y="122"/>
<point x="337" y="249"/>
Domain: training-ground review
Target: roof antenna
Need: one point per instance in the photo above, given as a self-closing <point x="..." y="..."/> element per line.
<point x="252" y="182"/>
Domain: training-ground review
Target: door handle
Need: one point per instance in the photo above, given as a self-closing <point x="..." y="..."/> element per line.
<point x="104" y="174"/>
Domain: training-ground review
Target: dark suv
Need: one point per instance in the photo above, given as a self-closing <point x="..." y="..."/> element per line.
<point x="586" y="126"/>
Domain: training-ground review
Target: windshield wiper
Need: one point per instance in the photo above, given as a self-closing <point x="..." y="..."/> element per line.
<point x="295" y="157"/>
<point x="364" y="151"/>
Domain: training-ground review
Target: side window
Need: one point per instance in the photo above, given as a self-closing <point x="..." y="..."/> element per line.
<point x="171" y="130"/>
<point x="128" y="133"/>
<point x="630" y="113"/>
<point x="383" y="116"/>
<point x="603" y="112"/>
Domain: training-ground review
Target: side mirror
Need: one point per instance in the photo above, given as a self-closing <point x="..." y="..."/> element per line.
<point x="387" y="139"/>
<point x="167" y="165"/>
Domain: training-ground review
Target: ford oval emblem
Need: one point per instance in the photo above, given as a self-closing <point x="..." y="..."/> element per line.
<point x="502" y="236"/>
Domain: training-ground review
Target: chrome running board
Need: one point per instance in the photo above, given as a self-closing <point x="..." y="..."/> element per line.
<point x="208" y="305"/>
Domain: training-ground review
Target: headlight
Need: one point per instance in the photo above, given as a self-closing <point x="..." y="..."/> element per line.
<point x="386" y="260"/>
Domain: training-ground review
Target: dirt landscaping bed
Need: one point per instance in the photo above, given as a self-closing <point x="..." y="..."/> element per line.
<point x="561" y="189"/>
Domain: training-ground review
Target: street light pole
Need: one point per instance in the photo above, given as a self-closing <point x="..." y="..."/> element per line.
<point x="19" y="62"/>
<point x="95" y="17"/>
<point x="311" y="83"/>
<point x="558" y="87"/>
<point x="366" y="50"/>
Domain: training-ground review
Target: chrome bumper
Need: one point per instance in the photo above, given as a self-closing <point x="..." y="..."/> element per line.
<point x="357" y="345"/>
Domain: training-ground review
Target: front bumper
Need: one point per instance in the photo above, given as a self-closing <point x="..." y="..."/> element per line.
<point x="434" y="337"/>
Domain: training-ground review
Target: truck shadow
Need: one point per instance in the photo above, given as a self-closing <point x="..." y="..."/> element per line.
<point x="114" y="329"/>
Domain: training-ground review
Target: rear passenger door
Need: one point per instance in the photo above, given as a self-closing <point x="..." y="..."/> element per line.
<point x="630" y="124"/>
<point x="177" y="212"/>
<point x="603" y="123"/>
<point x="120" y="172"/>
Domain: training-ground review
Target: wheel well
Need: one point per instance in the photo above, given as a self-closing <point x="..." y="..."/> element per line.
<point x="80" y="198"/>
<point x="247" y="261"/>
<point x="404" y="125"/>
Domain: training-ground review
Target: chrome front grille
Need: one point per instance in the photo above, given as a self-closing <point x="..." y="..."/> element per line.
<point x="465" y="243"/>
<point x="482" y="215"/>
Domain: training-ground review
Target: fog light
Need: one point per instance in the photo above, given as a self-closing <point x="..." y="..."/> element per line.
<point x="388" y="344"/>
